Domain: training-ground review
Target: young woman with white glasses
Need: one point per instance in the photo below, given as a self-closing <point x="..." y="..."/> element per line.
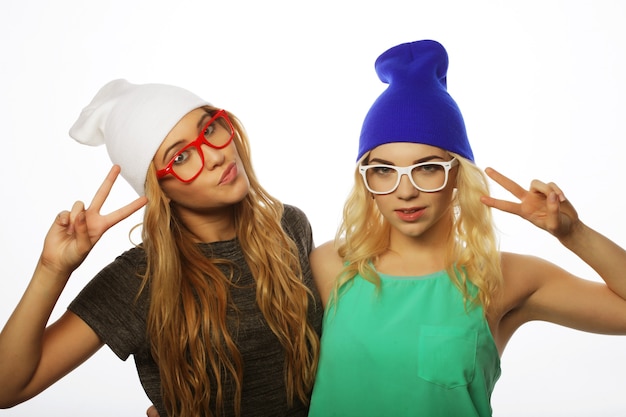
<point x="419" y="301"/>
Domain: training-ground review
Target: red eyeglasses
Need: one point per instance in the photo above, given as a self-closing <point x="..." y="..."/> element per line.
<point x="188" y="162"/>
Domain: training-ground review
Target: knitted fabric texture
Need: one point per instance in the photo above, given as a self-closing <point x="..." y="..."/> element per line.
<point x="132" y="121"/>
<point x="416" y="106"/>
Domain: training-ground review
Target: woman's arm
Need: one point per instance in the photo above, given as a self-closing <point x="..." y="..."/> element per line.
<point x="544" y="291"/>
<point x="32" y="357"/>
<point x="326" y="265"/>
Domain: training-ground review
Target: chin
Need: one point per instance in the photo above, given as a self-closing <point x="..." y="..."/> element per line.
<point x="239" y="193"/>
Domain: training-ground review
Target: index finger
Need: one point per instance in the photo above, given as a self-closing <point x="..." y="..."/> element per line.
<point x="503" y="205"/>
<point x="120" y="214"/>
<point x="506" y="183"/>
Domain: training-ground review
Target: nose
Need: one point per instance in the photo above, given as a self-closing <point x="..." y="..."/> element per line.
<point x="406" y="190"/>
<point x="213" y="158"/>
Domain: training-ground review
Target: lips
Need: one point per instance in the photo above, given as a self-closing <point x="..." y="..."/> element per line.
<point x="229" y="174"/>
<point x="410" y="214"/>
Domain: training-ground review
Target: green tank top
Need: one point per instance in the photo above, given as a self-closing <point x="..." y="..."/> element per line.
<point x="412" y="349"/>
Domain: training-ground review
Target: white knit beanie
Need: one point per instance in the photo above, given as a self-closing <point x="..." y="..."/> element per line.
<point x="132" y="121"/>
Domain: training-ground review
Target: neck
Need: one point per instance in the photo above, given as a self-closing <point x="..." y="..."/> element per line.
<point x="211" y="227"/>
<point x="415" y="255"/>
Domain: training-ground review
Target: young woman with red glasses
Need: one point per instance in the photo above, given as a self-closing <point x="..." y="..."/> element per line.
<point x="216" y="304"/>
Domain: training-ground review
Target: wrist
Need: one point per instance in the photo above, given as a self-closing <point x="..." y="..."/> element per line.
<point x="576" y="236"/>
<point x="50" y="275"/>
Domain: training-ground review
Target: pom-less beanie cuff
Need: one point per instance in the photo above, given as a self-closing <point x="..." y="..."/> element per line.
<point x="132" y="121"/>
<point x="415" y="107"/>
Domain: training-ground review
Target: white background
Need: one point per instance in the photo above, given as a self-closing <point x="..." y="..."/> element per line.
<point x="541" y="85"/>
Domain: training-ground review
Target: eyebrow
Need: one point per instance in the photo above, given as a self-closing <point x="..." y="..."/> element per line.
<point x="416" y="161"/>
<point x="203" y="118"/>
<point x="200" y="125"/>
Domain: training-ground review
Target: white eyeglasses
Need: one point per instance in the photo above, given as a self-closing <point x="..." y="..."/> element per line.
<point x="428" y="177"/>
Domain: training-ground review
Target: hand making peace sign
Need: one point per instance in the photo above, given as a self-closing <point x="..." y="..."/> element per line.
<point x="74" y="233"/>
<point x="544" y="205"/>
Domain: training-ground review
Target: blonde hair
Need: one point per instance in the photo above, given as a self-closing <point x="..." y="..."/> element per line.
<point x="189" y="294"/>
<point x="472" y="252"/>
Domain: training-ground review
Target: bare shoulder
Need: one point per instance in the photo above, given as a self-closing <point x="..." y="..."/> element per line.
<point x="526" y="270"/>
<point x="522" y="276"/>
<point x="326" y="265"/>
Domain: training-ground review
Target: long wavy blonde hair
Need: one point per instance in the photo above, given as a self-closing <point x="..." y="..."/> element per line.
<point x="189" y="299"/>
<point x="472" y="252"/>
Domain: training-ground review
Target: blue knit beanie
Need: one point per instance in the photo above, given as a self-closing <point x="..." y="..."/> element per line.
<point x="416" y="106"/>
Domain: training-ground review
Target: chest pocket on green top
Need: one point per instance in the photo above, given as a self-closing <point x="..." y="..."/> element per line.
<point x="447" y="355"/>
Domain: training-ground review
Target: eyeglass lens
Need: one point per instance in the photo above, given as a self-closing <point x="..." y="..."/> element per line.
<point x="188" y="162"/>
<point x="384" y="179"/>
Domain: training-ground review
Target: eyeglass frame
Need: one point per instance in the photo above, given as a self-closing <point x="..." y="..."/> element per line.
<point x="447" y="166"/>
<point x="197" y="143"/>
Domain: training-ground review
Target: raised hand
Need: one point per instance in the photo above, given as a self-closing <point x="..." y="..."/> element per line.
<point x="544" y="205"/>
<point x="74" y="233"/>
